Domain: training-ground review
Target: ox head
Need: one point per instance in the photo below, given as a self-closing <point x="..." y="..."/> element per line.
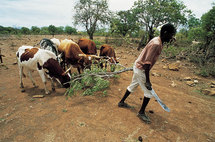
<point x="113" y="60"/>
<point x="87" y="59"/>
<point x="53" y="69"/>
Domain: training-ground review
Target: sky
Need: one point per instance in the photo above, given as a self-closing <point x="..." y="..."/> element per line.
<point x="41" y="13"/>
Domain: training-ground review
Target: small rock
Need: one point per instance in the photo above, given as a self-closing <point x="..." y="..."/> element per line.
<point x="209" y="92"/>
<point x="174" y="66"/>
<point x="155" y="74"/>
<point x="212" y="86"/>
<point x="213" y="82"/>
<point x="187" y="79"/>
<point x="190" y="83"/>
<point x="38" y="96"/>
<point x="164" y="60"/>
<point x="173" y="84"/>
<point x="165" y="67"/>
<point x="196" y="81"/>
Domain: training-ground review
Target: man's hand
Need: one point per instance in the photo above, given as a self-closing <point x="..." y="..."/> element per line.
<point x="148" y="85"/>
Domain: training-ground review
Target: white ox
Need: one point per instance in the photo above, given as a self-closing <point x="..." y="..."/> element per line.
<point x="44" y="62"/>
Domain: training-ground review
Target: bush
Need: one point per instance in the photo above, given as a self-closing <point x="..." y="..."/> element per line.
<point x="203" y="72"/>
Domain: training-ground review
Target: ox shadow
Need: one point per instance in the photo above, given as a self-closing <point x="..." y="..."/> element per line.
<point x="32" y="91"/>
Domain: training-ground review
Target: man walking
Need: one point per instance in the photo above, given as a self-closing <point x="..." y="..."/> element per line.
<point x="142" y="67"/>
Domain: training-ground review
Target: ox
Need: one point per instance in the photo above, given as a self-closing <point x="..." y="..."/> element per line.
<point x="44" y="62"/>
<point x="108" y="53"/>
<point x="51" y="45"/>
<point x="87" y="46"/>
<point x="74" y="55"/>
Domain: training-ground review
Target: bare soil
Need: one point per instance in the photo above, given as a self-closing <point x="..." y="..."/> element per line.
<point x="98" y="118"/>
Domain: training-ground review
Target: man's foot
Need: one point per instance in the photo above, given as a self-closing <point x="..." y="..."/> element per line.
<point x="123" y="105"/>
<point x="144" y="117"/>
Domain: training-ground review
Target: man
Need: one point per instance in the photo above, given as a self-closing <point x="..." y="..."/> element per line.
<point x="142" y="67"/>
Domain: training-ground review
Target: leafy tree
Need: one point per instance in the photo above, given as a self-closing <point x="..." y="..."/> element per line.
<point x="3" y="30"/>
<point x="25" y="31"/>
<point x="208" y="25"/>
<point x="69" y="30"/>
<point x="44" y="31"/>
<point x="59" y="30"/>
<point x="35" y="30"/>
<point x="196" y="34"/>
<point x="154" y="13"/>
<point x="90" y="14"/>
<point x="52" y="30"/>
<point x="124" y="22"/>
<point x="193" y="22"/>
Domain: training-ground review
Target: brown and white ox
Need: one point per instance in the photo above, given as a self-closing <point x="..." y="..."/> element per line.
<point x="107" y="52"/>
<point x="87" y="46"/>
<point x="74" y="56"/>
<point x="43" y="61"/>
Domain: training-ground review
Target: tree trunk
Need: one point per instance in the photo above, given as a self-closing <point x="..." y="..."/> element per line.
<point x="91" y="35"/>
<point x="151" y="33"/>
<point x="141" y="43"/>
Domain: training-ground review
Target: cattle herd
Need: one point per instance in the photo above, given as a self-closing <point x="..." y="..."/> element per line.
<point x="54" y="56"/>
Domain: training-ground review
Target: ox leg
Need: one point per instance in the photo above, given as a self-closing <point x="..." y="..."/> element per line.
<point x="79" y="70"/>
<point x="105" y="64"/>
<point x="20" y="74"/>
<point x="32" y="80"/>
<point x="42" y="75"/>
<point x="52" y="84"/>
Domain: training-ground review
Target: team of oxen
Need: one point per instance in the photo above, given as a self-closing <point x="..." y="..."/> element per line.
<point x="53" y="55"/>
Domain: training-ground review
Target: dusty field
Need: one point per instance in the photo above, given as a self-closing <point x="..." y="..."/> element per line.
<point x="96" y="118"/>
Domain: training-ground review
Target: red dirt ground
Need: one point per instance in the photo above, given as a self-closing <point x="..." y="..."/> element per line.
<point x="97" y="118"/>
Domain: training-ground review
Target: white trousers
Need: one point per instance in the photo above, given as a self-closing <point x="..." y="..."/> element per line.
<point x="139" y="78"/>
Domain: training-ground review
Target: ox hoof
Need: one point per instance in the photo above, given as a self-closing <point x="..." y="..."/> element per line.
<point x="35" y="86"/>
<point x="22" y="90"/>
<point x="47" y="93"/>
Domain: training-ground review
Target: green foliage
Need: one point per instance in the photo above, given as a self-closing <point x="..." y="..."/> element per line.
<point x="208" y="22"/>
<point x="172" y="51"/>
<point x="152" y="14"/>
<point x="69" y="30"/>
<point x="88" y="83"/>
<point x="125" y="22"/>
<point x="203" y="72"/>
<point x="25" y="31"/>
<point x="98" y="43"/>
<point x="88" y="13"/>
<point x="52" y="29"/>
<point x="35" y="30"/>
<point x="44" y="31"/>
<point x="196" y="33"/>
<point x="193" y="22"/>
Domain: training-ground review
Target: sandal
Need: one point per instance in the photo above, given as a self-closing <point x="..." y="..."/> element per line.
<point x="144" y="117"/>
<point x="123" y="105"/>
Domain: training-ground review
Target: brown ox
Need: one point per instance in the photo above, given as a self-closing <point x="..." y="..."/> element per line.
<point x="108" y="53"/>
<point x="74" y="55"/>
<point x="87" y="46"/>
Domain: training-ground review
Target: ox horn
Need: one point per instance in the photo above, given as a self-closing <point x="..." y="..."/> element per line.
<point x="68" y="70"/>
<point x="94" y="56"/>
<point x="82" y="55"/>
